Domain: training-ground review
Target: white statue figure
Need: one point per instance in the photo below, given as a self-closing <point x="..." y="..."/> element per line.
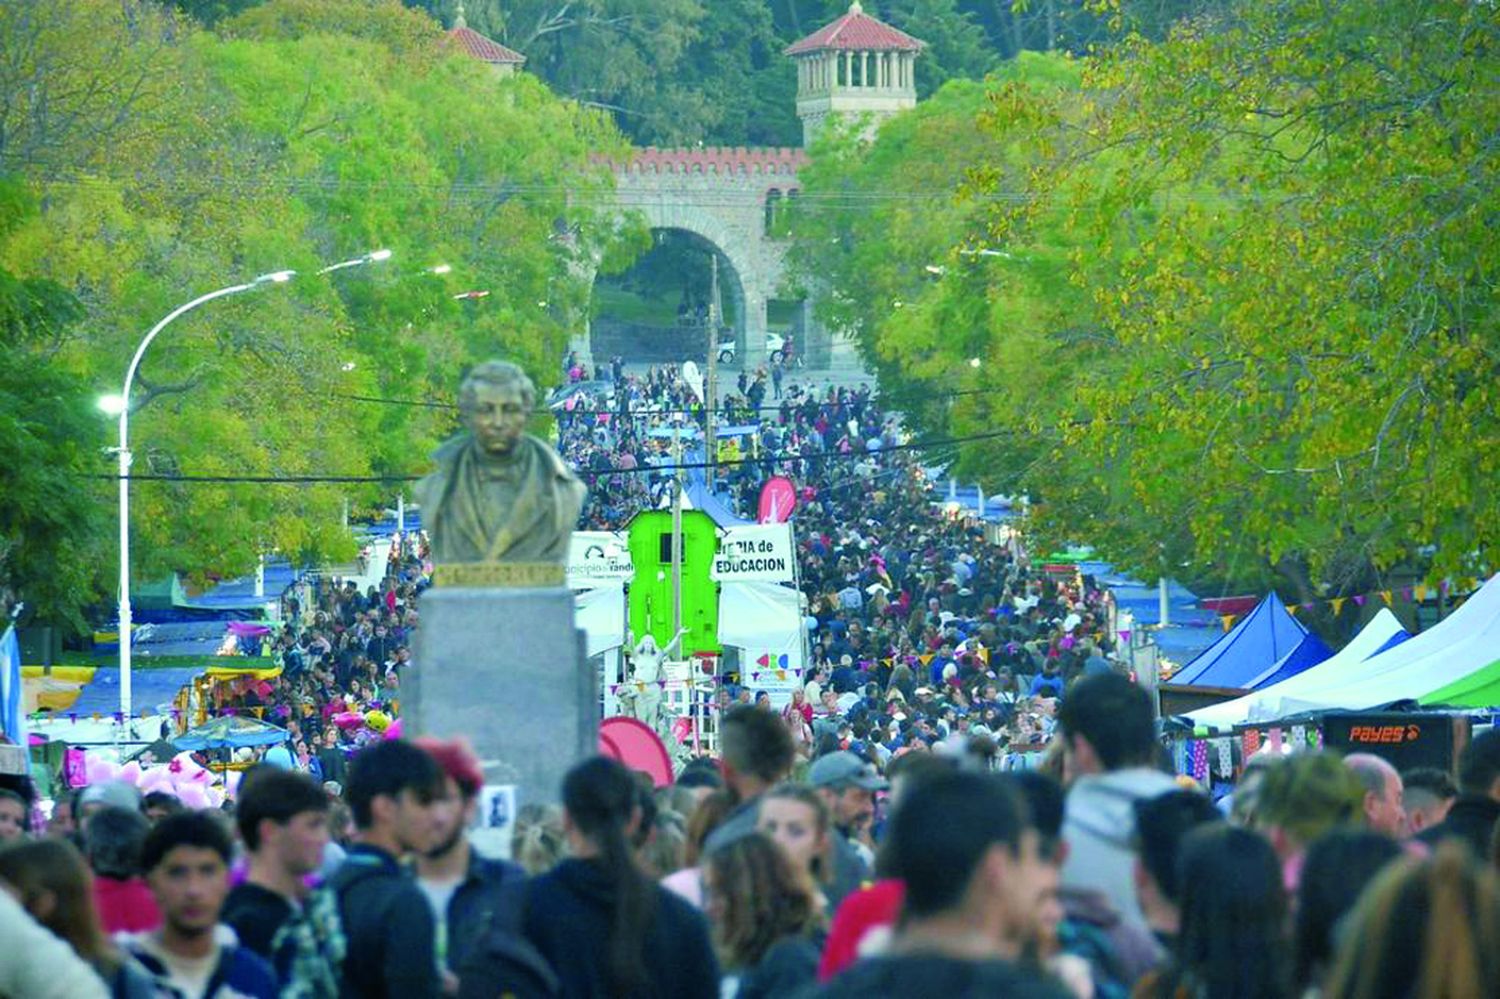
<point x="641" y="696"/>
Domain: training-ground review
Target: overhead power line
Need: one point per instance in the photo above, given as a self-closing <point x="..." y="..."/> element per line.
<point x="774" y="459"/>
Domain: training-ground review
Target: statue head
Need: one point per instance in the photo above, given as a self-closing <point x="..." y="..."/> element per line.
<point x="495" y="401"/>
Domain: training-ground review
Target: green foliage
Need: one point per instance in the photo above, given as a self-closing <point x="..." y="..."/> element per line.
<point x="304" y="132"/>
<point x="882" y="229"/>
<point x="48" y="524"/>
<point x="1245" y="322"/>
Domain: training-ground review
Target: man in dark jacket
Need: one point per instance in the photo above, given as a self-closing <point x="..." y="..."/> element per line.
<point x="283" y="821"/>
<point x="974" y="883"/>
<point x="392" y="790"/>
<point x="462" y="887"/>
<point x="1477" y="808"/>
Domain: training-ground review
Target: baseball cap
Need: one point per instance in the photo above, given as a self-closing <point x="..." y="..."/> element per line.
<point x="844" y="767"/>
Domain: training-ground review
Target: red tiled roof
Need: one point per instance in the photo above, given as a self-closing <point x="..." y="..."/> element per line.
<point x="717" y="159"/>
<point x="859" y="32"/>
<point x="484" y="48"/>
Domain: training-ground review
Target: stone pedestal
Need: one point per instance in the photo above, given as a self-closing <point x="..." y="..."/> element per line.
<point x="506" y="669"/>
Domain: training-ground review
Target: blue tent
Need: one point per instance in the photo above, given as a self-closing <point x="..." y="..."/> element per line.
<point x="231" y="732"/>
<point x="150" y="690"/>
<point x="1267" y="635"/>
<point x="699" y="496"/>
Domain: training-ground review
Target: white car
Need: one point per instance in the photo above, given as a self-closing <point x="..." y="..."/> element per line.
<point x="775" y="349"/>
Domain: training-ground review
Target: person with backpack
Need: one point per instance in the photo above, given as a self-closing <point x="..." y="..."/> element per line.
<point x="462" y="887"/>
<point x="391" y="951"/>
<point x="595" y="925"/>
<point x="283" y="823"/>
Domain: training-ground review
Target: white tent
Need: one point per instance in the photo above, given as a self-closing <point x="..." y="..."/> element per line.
<point x="600" y="613"/>
<point x="765" y="622"/>
<point x="1460" y="644"/>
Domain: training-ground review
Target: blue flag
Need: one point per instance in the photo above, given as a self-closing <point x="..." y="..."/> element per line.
<point x="12" y="719"/>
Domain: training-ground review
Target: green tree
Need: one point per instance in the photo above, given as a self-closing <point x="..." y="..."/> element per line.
<point x="1250" y="268"/>
<point x="305" y="131"/>
<point x="887" y="231"/>
<point x="49" y="525"/>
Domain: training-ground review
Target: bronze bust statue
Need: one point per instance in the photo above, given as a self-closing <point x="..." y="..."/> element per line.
<point x="499" y="494"/>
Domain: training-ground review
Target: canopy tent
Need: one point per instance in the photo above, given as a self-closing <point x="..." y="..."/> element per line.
<point x="1381" y="633"/>
<point x="766" y="621"/>
<point x="700" y="498"/>
<point x="1308" y="653"/>
<point x="239" y="594"/>
<point x="179" y="638"/>
<point x="1446" y="664"/>
<point x="1192" y="628"/>
<point x="600" y="615"/>
<point x="152" y="690"/>
<point x="231" y="732"/>
<point x="1266" y="641"/>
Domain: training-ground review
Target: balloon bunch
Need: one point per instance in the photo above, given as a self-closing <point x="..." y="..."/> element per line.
<point x="368" y="726"/>
<point x="182" y="777"/>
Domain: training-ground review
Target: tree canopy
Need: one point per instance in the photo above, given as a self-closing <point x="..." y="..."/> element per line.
<point x="1231" y="294"/>
<point x="166" y="160"/>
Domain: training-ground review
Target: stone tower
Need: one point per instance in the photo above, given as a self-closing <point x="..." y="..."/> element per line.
<point x="856" y="67"/>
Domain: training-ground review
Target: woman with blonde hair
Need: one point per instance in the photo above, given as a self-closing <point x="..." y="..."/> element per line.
<point x="1428" y="928"/>
<point x="537" y="842"/>
<point x="51" y="881"/>
<point x="767" y="919"/>
<point x="798" y="715"/>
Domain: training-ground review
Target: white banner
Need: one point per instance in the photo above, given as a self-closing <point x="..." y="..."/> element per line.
<point x="757" y="552"/>
<point x="598" y="558"/>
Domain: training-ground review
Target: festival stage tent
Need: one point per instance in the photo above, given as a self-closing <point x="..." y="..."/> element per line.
<point x="1266" y="642"/>
<point x="763" y="618"/>
<point x="1454" y="662"/>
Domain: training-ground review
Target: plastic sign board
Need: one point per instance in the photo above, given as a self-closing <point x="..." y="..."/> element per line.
<point x="761" y="552"/>
<point x="1405" y="739"/>
<point x="598" y="558"/>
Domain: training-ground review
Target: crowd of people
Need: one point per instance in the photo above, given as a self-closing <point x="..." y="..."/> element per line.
<point x="923" y="631"/>
<point x="1101" y="876"/>
<point x="966" y="793"/>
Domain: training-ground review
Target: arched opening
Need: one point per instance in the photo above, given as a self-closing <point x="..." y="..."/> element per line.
<point x="658" y="311"/>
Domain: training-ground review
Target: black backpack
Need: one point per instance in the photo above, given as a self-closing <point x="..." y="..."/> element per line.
<point x="506" y="963"/>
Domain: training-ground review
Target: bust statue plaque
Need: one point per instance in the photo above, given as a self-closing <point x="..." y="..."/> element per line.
<point x="501" y="505"/>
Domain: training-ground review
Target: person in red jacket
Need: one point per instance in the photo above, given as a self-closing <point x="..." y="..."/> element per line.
<point x="113" y="840"/>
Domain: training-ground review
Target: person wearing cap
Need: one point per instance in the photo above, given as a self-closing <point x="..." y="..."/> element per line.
<point x="463" y="888"/>
<point x="848" y="785"/>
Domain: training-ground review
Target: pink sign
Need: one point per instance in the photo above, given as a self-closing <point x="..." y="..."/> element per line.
<point x="778" y="498"/>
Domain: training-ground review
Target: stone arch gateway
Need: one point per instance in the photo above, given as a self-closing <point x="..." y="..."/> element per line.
<point x="719" y="196"/>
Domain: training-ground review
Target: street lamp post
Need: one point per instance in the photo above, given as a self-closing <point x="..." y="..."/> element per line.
<point x="121" y="404"/>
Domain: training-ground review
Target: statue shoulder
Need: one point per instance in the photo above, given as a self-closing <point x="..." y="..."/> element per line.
<point x="429" y="489"/>
<point x="554" y="461"/>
